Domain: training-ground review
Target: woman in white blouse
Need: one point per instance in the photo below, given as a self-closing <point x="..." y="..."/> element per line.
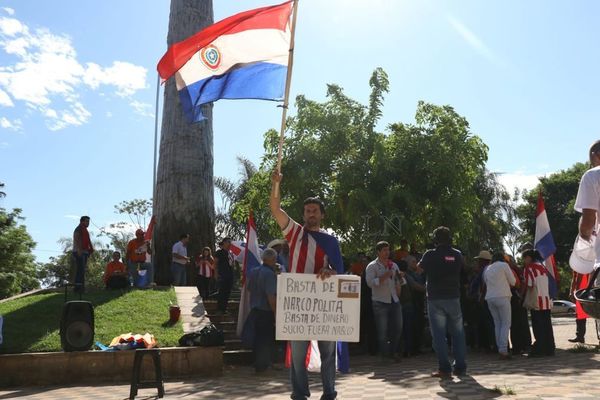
<point x="498" y="278"/>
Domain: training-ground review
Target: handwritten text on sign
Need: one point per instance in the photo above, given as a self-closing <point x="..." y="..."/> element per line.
<point x="309" y="308"/>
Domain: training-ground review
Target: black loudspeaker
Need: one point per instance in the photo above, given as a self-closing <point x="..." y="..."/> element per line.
<point x="77" y="326"/>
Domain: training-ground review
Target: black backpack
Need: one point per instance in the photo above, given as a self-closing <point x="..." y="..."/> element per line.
<point x="210" y="335"/>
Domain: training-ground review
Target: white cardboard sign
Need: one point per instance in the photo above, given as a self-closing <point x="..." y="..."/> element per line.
<point x="309" y="308"/>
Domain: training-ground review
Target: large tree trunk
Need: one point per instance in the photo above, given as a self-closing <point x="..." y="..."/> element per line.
<point x="184" y="198"/>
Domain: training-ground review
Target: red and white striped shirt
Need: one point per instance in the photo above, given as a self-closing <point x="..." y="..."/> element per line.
<point x="305" y="255"/>
<point x="537" y="274"/>
<point x="204" y="267"/>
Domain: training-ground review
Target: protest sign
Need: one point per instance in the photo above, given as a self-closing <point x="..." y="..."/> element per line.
<point x="309" y="308"/>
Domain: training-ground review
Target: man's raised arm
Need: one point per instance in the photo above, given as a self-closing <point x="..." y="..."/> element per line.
<point x="275" y="201"/>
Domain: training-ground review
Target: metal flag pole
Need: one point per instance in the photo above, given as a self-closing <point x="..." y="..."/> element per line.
<point x="155" y="138"/>
<point x="288" y="82"/>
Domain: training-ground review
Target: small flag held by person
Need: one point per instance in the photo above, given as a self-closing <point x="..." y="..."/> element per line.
<point x="244" y="56"/>
<point x="251" y="261"/>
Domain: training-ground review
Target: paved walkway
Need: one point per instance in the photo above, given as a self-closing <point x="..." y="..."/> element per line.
<point x="193" y="317"/>
<point x="568" y="375"/>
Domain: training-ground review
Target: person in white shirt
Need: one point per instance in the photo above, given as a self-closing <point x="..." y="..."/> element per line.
<point x="588" y="200"/>
<point x="385" y="279"/>
<point x="588" y="204"/>
<point x="498" y="278"/>
<point x="180" y="260"/>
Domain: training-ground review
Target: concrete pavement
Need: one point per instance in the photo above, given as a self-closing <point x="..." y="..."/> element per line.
<point x="568" y="375"/>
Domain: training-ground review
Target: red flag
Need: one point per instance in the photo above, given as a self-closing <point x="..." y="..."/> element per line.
<point x="150" y="230"/>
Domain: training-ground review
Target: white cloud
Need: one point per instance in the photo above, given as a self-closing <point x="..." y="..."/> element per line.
<point x="143" y="109"/>
<point x="72" y="216"/>
<point x="3" y="145"/>
<point x="5" y="99"/>
<point x="48" y="77"/>
<point x="126" y="77"/>
<point x="519" y="179"/>
<point x="12" y="26"/>
<point x="473" y="40"/>
<point x="76" y="115"/>
<point x="124" y="228"/>
<point x="9" y="10"/>
<point x="15" y="124"/>
<point x="109" y="114"/>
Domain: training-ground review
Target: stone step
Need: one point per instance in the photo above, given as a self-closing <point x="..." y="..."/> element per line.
<point x="218" y="319"/>
<point x="213" y="310"/>
<point x="234" y="344"/>
<point x="230" y="335"/>
<point x="238" y="357"/>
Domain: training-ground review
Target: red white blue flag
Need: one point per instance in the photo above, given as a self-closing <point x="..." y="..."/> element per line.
<point x="544" y="242"/>
<point x="252" y="260"/>
<point x="244" y="56"/>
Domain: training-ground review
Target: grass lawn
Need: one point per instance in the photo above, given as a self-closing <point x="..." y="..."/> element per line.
<point x="32" y="323"/>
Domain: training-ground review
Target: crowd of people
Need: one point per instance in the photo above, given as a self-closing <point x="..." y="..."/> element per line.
<point x="483" y="304"/>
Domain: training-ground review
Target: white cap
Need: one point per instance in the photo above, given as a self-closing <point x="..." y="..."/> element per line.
<point x="583" y="256"/>
<point x="275" y="242"/>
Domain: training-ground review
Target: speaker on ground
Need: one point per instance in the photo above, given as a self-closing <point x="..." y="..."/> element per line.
<point x="77" y="326"/>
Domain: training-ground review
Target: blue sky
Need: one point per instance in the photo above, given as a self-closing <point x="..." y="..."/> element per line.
<point x="78" y="83"/>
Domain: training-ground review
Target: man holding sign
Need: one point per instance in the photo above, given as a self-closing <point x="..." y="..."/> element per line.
<point x="312" y="251"/>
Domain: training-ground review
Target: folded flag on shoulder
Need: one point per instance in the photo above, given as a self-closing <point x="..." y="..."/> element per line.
<point x="244" y="56"/>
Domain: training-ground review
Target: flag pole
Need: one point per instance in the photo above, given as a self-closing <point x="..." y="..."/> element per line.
<point x="288" y="82"/>
<point x="155" y="138"/>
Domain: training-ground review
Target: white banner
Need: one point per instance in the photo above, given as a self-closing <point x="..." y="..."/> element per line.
<point x="309" y="308"/>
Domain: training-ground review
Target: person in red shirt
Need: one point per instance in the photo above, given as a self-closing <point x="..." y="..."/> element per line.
<point x="360" y="265"/>
<point x="402" y="251"/>
<point x="138" y="254"/>
<point x="82" y="249"/>
<point x="536" y="277"/>
<point x="205" y="263"/>
<point x="115" y="274"/>
<point x="306" y="258"/>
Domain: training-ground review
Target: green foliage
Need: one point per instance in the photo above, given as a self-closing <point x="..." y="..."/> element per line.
<point x="239" y="198"/>
<point x="376" y="185"/>
<point x="32" y="323"/>
<point x="139" y="212"/>
<point x="17" y="263"/>
<point x="59" y="270"/>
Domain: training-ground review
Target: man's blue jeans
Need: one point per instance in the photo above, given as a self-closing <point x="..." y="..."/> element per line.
<point x="388" y="321"/>
<point x="299" y="375"/>
<point x="80" y="266"/>
<point x="178" y="271"/>
<point x="445" y="316"/>
<point x="264" y="338"/>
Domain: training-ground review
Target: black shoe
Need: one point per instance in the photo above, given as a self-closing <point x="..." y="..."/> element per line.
<point x="577" y="340"/>
<point x="441" y="375"/>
